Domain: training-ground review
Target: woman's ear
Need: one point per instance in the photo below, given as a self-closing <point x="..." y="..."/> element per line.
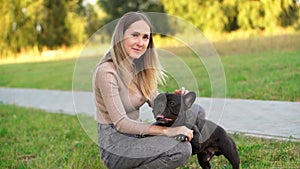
<point x="189" y="99"/>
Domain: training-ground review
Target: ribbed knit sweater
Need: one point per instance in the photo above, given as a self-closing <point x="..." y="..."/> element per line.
<point x="115" y="103"/>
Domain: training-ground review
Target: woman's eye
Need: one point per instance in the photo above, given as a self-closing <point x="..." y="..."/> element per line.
<point x="146" y="37"/>
<point x="135" y="35"/>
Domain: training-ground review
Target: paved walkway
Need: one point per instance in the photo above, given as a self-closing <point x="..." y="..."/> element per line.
<point x="271" y="119"/>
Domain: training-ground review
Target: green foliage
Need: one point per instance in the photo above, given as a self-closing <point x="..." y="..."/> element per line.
<point x="50" y="23"/>
<point x="55" y="33"/>
<point x="250" y="15"/>
<point x="62" y="23"/>
<point x="55" y="23"/>
<point x="115" y="9"/>
<point x="206" y="14"/>
<point x="18" y="20"/>
<point x="76" y="29"/>
<point x="267" y="14"/>
<point x="94" y="19"/>
<point x="229" y="15"/>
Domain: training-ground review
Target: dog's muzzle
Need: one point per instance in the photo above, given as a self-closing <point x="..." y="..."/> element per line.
<point x="161" y="118"/>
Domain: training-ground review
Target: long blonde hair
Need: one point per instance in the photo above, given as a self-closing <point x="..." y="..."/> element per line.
<point x="147" y="71"/>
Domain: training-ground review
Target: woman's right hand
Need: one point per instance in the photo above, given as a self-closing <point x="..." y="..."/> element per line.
<point x="174" y="131"/>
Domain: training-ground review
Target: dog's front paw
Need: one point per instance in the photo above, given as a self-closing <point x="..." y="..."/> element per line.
<point x="181" y="137"/>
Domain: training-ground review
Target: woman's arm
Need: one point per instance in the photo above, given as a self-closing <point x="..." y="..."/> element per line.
<point x="171" y="131"/>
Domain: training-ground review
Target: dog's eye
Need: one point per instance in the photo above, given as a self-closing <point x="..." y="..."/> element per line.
<point x="172" y="103"/>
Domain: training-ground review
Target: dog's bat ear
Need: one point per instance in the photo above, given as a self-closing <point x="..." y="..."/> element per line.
<point x="161" y="98"/>
<point x="160" y="95"/>
<point x="189" y="99"/>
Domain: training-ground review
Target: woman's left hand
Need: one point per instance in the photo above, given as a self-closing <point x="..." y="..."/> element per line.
<point x="181" y="91"/>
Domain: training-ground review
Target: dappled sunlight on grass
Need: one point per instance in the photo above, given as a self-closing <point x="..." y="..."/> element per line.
<point x="33" y="55"/>
<point x="225" y="44"/>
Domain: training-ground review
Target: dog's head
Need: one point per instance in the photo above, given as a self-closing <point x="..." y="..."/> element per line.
<point x="167" y="106"/>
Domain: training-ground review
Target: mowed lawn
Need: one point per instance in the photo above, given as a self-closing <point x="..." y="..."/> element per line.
<point x="33" y="138"/>
<point x="263" y="76"/>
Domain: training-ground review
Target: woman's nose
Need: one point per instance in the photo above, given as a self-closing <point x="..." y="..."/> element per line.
<point x="140" y="42"/>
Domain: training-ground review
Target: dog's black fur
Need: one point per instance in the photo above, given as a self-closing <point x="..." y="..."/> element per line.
<point x="209" y="138"/>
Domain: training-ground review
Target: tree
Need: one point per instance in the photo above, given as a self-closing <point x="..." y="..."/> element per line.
<point x="19" y="20"/>
<point x="267" y="14"/>
<point x="94" y="19"/>
<point x="204" y="14"/>
<point x="116" y="8"/>
<point x="230" y="15"/>
<point x="251" y="15"/>
<point x="63" y="23"/>
<point x="29" y="23"/>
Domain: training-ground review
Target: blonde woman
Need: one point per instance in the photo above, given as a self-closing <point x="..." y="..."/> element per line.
<point x="125" y="79"/>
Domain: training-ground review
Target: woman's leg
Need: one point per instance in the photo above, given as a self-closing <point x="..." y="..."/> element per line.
<point x="121" y="151"/>
<point x="171" y="159"/>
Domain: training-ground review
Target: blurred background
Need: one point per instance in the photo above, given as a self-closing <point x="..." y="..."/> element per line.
<point x="49" y="48"/>
<point x="51" y="29"/>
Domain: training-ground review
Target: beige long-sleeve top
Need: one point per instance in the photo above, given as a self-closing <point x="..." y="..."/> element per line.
<point x="115" y="104"/>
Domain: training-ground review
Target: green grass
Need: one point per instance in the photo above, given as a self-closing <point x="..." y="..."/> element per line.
<point x="33" y="138"/>
<point x="42" y="75"/>
<point x="266" y="75"/>
<point x="259" y="68"/>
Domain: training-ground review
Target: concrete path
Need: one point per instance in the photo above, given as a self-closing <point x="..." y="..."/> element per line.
<point x="270" y="119"/>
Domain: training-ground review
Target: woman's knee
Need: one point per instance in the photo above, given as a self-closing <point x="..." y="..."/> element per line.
<point x="186" y="150"/>
<point x="180" y="154"/>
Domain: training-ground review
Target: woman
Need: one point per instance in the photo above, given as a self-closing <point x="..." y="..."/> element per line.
<point x="124" y="80"/>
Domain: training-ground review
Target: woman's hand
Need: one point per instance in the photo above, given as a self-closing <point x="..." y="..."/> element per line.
<point x="171" y="131"/>
<point x="174" y="131"/>
<point x="181" y="91"/>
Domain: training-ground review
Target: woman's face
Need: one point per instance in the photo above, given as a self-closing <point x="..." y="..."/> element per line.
<point x="136" y="39"/>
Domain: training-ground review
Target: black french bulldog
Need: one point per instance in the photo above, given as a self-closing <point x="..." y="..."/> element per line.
<point x="209" y="138"/>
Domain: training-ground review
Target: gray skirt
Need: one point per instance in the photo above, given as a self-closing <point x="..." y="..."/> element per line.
<point x="124" y="151"/>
